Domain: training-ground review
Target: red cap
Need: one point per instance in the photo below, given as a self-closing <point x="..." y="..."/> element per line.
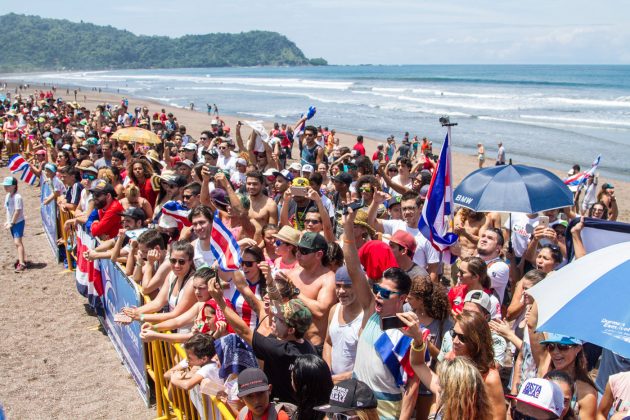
<point x="404" y="239"/>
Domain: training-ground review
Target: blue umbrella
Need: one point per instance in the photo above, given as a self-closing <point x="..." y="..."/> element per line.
<point x="588" y="299"/>
<point x="512" y="188"/>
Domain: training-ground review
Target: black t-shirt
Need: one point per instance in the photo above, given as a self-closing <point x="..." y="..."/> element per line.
<point x="278" y="356"/>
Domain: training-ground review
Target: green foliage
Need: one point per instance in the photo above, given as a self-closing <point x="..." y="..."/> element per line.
<point x="31" y="43"/>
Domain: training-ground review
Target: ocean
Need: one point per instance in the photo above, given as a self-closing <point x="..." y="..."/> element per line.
<point x="552" y="116"/>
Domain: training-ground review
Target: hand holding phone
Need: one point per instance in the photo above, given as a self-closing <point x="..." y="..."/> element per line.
<point x="543" y="221"/>
<point x="390" y="322"/>
<point x="299" y="191"/>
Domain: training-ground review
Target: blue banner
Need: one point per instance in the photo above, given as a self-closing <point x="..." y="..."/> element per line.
<point x="118" y="292"/>
<point x="49" y="217"/>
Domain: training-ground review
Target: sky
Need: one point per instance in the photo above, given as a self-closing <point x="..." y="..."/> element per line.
<point x="380" y="32"/>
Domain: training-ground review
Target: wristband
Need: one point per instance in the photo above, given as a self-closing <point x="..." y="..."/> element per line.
<point x="142" y="317"/>
<point x="419" y="349"/>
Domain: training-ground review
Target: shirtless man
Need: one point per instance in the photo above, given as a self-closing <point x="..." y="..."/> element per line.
<point x="316" y="283"/>
<point x="469" y="225"/>
<point x="263" y="210"/>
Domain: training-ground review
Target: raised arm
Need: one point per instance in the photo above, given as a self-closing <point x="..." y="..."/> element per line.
<point x="379" y="198"/>
<point x="323" y="213"/>
<point x="238" y="325"/>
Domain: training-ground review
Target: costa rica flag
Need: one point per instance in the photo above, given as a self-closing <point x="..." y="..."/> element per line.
<point x="224" y="246"/>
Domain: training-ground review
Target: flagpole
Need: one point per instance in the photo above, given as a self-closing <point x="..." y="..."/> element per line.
<point x="446" y="122"/>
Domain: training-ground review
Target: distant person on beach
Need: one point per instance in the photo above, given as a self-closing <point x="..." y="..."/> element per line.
<point x="359" y="146"/>
<point x="15" y="220"/>
<point x="481" y="154"/>
<point x="500" y="155"/>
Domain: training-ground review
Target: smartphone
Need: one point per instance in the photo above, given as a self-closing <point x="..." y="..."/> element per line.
<point x="389" y="322"/>
<point x="356" y="205"/>
<point x="543" y="221"/>
<point x="299" y="191"/>
<point x="213" y="169"/>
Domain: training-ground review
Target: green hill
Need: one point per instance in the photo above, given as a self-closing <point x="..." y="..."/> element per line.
<point x="32" y="43"/>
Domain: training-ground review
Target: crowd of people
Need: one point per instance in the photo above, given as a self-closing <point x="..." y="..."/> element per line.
<point x="340" y="307"/>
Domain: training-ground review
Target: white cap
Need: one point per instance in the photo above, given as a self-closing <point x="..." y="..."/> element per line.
<point x="479" y="297"/>
<point x="538" y="394"/>
<point x="307" y="168"/>
<point x="270" y="172"/>
<point x="214" y="122"/>
<point x="241" y="161"/>
<point x="295" y="166"/>
<point x="190" y="146"/>
<point x="66" y="147"/>
<point x="167" y="222"/>
<point x="80" y="134"/>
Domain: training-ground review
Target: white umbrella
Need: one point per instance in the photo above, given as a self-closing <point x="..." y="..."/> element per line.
<point x="589" y="299"/>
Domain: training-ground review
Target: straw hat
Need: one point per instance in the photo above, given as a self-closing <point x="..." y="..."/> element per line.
<point x="361" y="219"/>
<point x="288" y="234"/>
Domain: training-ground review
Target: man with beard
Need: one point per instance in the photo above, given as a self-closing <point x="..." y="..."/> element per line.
<point x="488" y="249"/>
<point x="316" y="283"/>
<point x="104" y="221"/>
<point x="263" y="209"/>
<point x="375" y="346"/>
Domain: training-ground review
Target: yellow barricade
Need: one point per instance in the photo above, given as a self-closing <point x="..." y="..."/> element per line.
<point x="63" y="216"/>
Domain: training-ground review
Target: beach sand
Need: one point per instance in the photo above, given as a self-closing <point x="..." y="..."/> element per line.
<point x="56" y="363"/>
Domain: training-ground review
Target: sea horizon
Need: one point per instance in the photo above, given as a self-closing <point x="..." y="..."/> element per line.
<point x="553" y="115"/>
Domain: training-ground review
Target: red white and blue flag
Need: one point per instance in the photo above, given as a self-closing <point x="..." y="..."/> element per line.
<point x="437" y="213"/>
<point x="177" y="211"/>
<point x="16" y="164"/>
<point x="576" y="181"/>
<point x="88" y="273"/>
<point x="224" y="246"/>
<point x="395" y="356"/>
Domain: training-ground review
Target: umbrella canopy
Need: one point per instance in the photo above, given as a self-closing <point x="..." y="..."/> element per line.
<point x="136" y="135"/>
<point x="512" y="188"/>
<point x="589" y="299"/>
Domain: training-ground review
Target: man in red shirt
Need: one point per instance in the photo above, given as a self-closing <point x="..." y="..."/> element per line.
<point x="108" y="223"/>
<point x="359" y="146"/>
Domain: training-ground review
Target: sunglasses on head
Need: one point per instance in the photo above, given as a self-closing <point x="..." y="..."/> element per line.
<point x="385" y="293"/>
<point x="561" y="347"/>
<point x="249" y="263"/>
<point x="179" y="261"/>
<point x="461" y="337"/>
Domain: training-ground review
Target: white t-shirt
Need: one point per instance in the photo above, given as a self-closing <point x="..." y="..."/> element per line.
<point x="425" y="254"/>
<point x="202" y="257"/>
<point x="227" y="163"/>
<point x="522" y="228"/>
<point x="397" y="180"/>
<point x="208" y="371"/>
<point x="13" y="203"/>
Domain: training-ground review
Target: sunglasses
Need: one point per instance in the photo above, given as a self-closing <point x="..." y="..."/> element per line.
<point x="561" y="347"/>
<point x="306" y="251"/>
<point x="385" y="293"/>
<point x="203" y="138"/>
<point x="365" y="189"/>
<point x="393" y="170"/>
<point x="91" y="177"/>
<point x="311" y="221"/>
<point x="461" y="337"/>
<point x="279" y="242"/>
<point x="249" y="263"/>
<point x="187" y="196"/>
<point x="175" y="261"/>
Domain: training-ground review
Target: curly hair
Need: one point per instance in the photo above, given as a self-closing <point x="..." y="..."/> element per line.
<point x="434" y="297"/>
<point x="146" y="169"/>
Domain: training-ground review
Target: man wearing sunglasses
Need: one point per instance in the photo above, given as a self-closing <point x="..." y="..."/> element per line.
<point x="395" y="398"/>
<point x="316" y="283"/>
<point x="105" y="218"/>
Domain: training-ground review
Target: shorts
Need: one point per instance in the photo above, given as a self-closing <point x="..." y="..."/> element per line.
<point x="481" y="157"/>
<point x="17" y="230"/>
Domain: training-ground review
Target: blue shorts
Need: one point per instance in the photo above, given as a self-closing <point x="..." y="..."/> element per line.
<point x="17" y="230"/>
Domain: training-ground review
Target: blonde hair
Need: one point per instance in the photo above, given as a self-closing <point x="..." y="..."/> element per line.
<point x="367" y="414"/>
<point x="462" y="391"/>
<point x="132" y="191"/>
<point x="107" y="174"/>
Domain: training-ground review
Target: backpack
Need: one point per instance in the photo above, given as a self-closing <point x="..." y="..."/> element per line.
<point x="288" y="408"/>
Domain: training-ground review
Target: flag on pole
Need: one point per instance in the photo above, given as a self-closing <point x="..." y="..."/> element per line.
<point x="224" y="246"/>
<point x="16" y="164"/>
<point x="578" y="180"/>
<point x="437" y="212"/>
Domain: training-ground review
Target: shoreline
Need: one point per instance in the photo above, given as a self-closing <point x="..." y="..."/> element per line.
<point x="197" y="121"/>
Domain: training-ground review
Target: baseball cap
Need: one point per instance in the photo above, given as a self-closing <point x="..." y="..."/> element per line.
<point x="561" y="339"/>
<point x="313" y="241"/>
<point x="9" y="181"/>
<point x="307" y="168"/>
<point x="301" y="182"/>
<point x="394" y="200"/>
<point x="167" y="222"/>
<point x="538" y="395"/>
<point x="342" y="275"/>
<point x="424" y="191"/>
<point x="66" y="147"/>
<point x="295" y="166"/>
<point x="101" y="186"/>
<point x="349" y="395"/>
<point x="219" y="196"/>
<point x="51" y="167"/>
<point x="296" y="315"/>
<point x="481" y="298"/>
<point x="252" y="380"/>
<point x="607" y="186"/>
<point x="134" y="212"/>
<point x="186" y="162"/>
<point x="344" y="177"/>
<point x="178" y="180"/>
<point x="284" y="174"/>
<point x="41" y="152"/>
<point x="269" y="172"/>
<point x="404" y="239"/>
<point x="241" y="161"/>
<point x="190" y="146"/>
<point x="80" y="134"/>
<point x="56" y="130"/>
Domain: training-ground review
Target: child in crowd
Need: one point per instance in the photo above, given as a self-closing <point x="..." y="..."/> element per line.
<point x="254" y="390"/>
<point x="15" y="220"/>
<point x="197" y="366"/>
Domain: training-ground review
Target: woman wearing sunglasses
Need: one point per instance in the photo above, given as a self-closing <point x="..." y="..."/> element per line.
<point x="177" y="291"/>
<point x="286" y="242"/>
<point x="566" y="355"/>
<point x="246" y="307"/>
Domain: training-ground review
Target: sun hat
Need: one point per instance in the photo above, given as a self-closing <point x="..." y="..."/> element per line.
<point x="288" y="234"/>
<point x="404" y="239"/>
<point x="361" y="219"/>
<point x="539" y="394"/>
<point x="349" y="395"/>
<point x="252" y="380"/>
